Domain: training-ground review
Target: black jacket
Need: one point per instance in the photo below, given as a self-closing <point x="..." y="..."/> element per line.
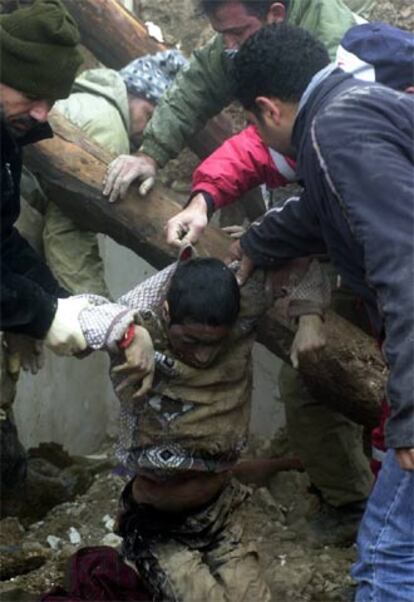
<point x="28" y="289"/>
<point x="355" y="152"/>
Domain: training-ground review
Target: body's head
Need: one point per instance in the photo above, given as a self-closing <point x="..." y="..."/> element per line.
<point x="237" y="20"/>
<point x="146" y="80"/>
<point x="202" y="305"/>
<point x="39" y="60"/>
<point x="273" y="69"/>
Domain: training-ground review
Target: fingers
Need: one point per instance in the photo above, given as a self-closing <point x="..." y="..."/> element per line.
<point x="294" y="358"/>
<point x="37" y="361"/>
<point x="118" y="179"/>
<point x="244" y="271"/>
<point x="123" y="170"/>
<point x="145" y="379"/>
<point x="111" y="175"/>
<point x="185" y="229"/>
<point x="118" y="187"/>
<point x="14" y="364"/>
<point x="175" y="232"/>
<point x="145" y="386"/>
<point x="405" y="458"/>
<point x="234" y="232"/>
<point x="146" y="186"/>
<point x="128" y="368"/>
<point x="129" y="381"/>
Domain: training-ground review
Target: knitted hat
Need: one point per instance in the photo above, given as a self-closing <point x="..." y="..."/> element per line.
<point x="38" y="50"/>
<point x="149" y="76"/>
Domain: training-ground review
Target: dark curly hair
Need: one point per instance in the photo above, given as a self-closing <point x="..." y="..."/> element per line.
<point x="203" y="291"/>
<point x="277" y="61"/>
<point x="259" y="8"/>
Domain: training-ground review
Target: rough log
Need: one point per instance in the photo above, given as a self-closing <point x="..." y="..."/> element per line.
<point x="113" y="34"/>
<point x="73" y="167"/>
<point x="348" y="375"/>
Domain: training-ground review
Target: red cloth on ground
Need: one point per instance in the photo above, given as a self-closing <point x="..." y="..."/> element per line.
<point x="99" y="574"/>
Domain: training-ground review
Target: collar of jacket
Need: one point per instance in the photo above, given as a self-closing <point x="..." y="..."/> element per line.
<point x="311" y="106"/>
<point x="40" y="132"/>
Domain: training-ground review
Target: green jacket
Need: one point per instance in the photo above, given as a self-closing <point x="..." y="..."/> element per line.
<point x="203" y="88"/>
<point x="98" y="105"/>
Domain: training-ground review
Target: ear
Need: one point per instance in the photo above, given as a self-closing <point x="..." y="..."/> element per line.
<point x="276" y="13"/>
<point x="166" y="312"/>
<point x="270" y="108"/>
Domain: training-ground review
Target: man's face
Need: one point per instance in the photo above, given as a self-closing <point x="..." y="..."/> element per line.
<point x="276" y="124"/>
<point x="234" y="22"/>
<point x="197" y="344"/>
<point x="21" y="112"/>
<point x="140" y="112"/>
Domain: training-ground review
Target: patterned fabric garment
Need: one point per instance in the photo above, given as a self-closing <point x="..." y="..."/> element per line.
<point x="194" y="556"/>
<point x="192" y="418"/>
<point x="150" y="76"/>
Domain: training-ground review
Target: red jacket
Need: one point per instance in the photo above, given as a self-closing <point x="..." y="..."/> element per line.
<point x="240" y="164"/>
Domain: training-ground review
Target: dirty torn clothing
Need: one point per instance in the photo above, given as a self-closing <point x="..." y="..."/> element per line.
<point x="180" y="424"/>
<point x="194" y="556"/>
<point x="192" y="418"/>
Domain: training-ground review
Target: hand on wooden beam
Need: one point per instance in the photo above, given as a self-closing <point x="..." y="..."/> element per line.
<point x="124" y="170"/>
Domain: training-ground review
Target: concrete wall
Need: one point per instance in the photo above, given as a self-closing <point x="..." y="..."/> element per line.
<point x="71" y="401"/>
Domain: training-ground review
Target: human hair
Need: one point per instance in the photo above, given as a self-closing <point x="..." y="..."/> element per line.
<point x="203" y="291"/>
<point x="277" y="61"/>
<point x="258" y="8"/>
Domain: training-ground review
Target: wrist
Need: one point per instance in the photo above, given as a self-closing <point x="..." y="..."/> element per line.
<point x="310" y="319"/>
<point x="203" y="202"/>
<point x="128" y="337"/>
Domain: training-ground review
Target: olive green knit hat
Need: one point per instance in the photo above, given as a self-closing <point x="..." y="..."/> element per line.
<point x="38" y="50"/>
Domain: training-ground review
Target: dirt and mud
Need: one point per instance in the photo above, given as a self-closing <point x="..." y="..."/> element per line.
<point x="33" y="557"/>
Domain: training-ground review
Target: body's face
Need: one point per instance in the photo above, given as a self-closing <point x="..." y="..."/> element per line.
<point x="236" y="24"/>
<point x="276" y="124"/>
<point x="21" y="112"/>
<point x="197" y="344"/>
<point x="140" y="112"/>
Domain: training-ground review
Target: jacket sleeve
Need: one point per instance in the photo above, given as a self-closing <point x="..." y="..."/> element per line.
<point x="28" y="289"/>
<point x="376" y="195"/>
<point x="240" y="164"/>
<point x="285" y="232"/>
<point x="200" y="91"/>
<point x="104" y="323"/>
<point x="312" y="294"/>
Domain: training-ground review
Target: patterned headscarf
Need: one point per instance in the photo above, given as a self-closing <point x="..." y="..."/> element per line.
<point x="149" y="76"/>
